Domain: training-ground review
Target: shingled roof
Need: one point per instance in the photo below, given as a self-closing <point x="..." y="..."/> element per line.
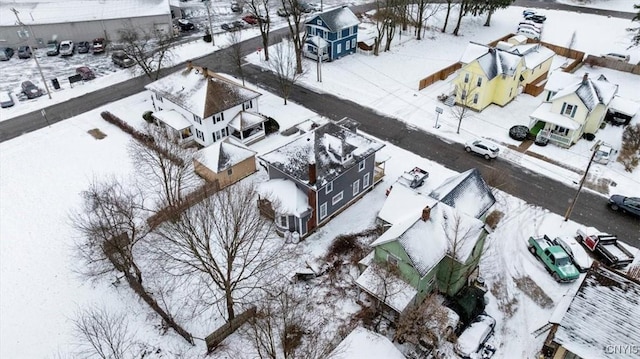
<point x="201" y="95"/>
<point x="497" y="62"/>
<point x="467" y="192"/>
<point x="591" y="92"/>
<point x="336" y="19"/>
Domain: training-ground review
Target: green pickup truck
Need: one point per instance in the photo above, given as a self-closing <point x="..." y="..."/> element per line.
<point x="554" y="258"/>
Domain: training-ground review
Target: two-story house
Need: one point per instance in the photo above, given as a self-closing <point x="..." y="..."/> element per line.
<point x="573" y="105"/>
<point x="202" y="106"/>
<point x="331" y="34"/>
<point x="319" y="174"/>
<point x="435" y="239"/>
<point x="495" y="75"/>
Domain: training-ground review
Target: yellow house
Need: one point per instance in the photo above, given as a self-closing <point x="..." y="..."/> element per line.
<point x="226" y="162"/>
<point x="573" y="105"/>
<point x="496" y="75"/>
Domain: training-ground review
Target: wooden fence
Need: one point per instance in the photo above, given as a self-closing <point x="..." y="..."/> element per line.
<point x="439" y="76"/>
<point x="172" y="212"/>
<point x="612" y="64"/>
<point x="214" y="339"/>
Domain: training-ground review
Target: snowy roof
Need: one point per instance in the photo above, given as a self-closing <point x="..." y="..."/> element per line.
<point x="472" y="52"/>
<point x="467" y="192"/>
<point x="173" y="119"/>
<point x="624" y="106"/>
<point x="336" y="19"/>
<point x="365" y="344"/>
<point x="402" y="200"/>
<point x="497" y="62"/>
<point x="326" y="146"/>
<point x="317" y="41"/>
<point x="397" y="293"/>
<point x="201" y="95"/>
<point x="602" y="313"/>
<point x="56" y="11"/>
<point x="245" y="120"/>
<point x="533" y="54"/>
<point x="286" y="196"/>
<point x="543" y="113"/>
<point x="223" y="154"/>
<point x="591" y="92"/>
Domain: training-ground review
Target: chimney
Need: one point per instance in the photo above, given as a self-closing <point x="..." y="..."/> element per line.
<point x="312" y="173"/>
<point x="585" y="78"/>
<point x="426" y="213"/>
<point x="189" y="65"/>
<point x="205" y="72"/>
<point x="492" y="50"/>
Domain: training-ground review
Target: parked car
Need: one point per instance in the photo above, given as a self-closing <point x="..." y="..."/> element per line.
<point x="86" y="73"/>
<point x="6" y="53"/>
<point x="604" y="154"/>
<point x="233" y="26"/>
<point x="472" y="339"/>
<point x="121" y="59"/>
<point x="529" y="33"/>
<point x="304" y="7"/>
<point x="53" y="48"/>
<point x="98" y="45"/>
<point x="5" y="99"/>
<point x="483" y="148"/>
<point x="24" y="52"/>
<point x="579" y="256"/>
<point x="66" y="48"/>
<point x="30" y="90"/>
<point x="554" y="258"/>
<point x="283" y="12"/>
<point x="253" y="20"/>
<point x="186" y="25"/>
<point x="314" y="6"/>
<point x="539" y="18"/>
<point x="616" y="56"/>
<point x="530" y="28"/>
<point x="528" y="12"/>
<point x="625" y="204"/>
<point x="83" y="47"/>
<point x="236" y="7"/>
<point x="605" y="247"/>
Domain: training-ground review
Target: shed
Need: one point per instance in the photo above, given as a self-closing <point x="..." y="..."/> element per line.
<point x="226" y="162"/>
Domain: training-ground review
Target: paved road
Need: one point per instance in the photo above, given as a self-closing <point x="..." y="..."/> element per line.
<point x="531" y="187"/>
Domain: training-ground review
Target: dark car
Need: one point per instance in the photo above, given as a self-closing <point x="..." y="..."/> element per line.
<point x="625" y="204"/>
<point x="5" y="53"/>
<point x="98" y="45"/>
<point x="30" y="90"/>
<point x="83" y="47"/>
<point x="236" y="7"/>
<point x="24" y="52"/>
<point x="538" y="18"/>
<point x="233" y="26"/>
<point x="86" y="73"/>
<point x="186" y="25"/>
<point x="121" y="59"/>
<point x="53" y="48"/>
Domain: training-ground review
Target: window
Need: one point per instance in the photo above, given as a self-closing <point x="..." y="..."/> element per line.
<point x="224" y="132"/>
<point x="479" y="81"/>
<point x="353" y="43"/>
<point x="560" y="130"/>
<point x="229" y="172"/>
<point x="356" y="187"/>
<point x="345" y="32"/>
<point x="568" y="109"/>
<point x="247" y="105"/>
<point x="329" y="188"/>
<point x="466" y="78"/>
<point x="361" y="166"/>
<point x="475" y="98"/>
<point x="197" y="118"/>
<point x="365" y="181"/>
<point x="337" y="198"/>
<point x="200" y="134"/>
<point x="217" y="136"/>
<point x="283" y="221"/>
<point x="218" y="117"/>
<point x="323" y="210"/>
<point x="463" y="95"/>
<point x="393" y="260"/>
<point x="339" y="48"/>
<point x="550" y="95"/>
<point x="319" y="22"/>
<point x="347" y="45"/>
<point x="510" y="92"/>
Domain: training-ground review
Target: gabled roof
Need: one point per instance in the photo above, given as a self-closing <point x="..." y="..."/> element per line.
<point x="223" y="154"/>
<point x="362" y="343"/>
<point x="402" y="200"/>
<point x="533" y="54"/>
<point x="604" y="311"/>
<point x="201" y="95"/>
<point x="336" y="19"/>
<point x="591" y="92"/>
<point x="497" y="62"/>
<point x="467" y="192"/>
<point x="245" y="120"/>
<point x="326" y="146"/>
<point x="399" y="294"/>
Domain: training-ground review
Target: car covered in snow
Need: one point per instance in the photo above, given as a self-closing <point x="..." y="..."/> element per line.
<point x="483" y="148"/>
<point x="83" y="47"/>
<point x="579" y="256"/>
<point x="98" y="45"/>
<point x="53" y="48"/>
<point x="66" y="48"/>
<point x="472" y="340"/>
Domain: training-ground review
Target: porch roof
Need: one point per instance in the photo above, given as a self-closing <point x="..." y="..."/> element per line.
<point x="543" y="113"/>
<point x="624" y="106"/>
<point x="398" y="292"/>
<point x="245" y="120"/>
<point x="173" y="119"/>
<point x="286" y="197"/>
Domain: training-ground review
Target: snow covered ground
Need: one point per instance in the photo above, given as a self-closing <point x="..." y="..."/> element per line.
<point x="42" y="174"/>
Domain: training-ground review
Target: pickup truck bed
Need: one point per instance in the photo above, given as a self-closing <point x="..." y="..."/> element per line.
<point x="605" y="246"/>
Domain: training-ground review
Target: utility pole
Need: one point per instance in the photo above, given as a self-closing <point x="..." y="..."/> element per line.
<point x="320" y="55"/>
<point x="207" y="4"/>
<point x="584" y="177"/>
<point x="33" y="53"/>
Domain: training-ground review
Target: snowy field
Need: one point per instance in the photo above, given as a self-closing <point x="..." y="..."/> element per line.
<point x="42" y="174"/>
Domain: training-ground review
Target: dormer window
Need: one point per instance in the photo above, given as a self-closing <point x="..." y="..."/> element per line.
<point x="347" y="158"/>
<point x="319" y="22"/>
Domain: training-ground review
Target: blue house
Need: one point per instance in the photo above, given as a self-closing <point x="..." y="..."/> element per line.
<point x="332" y="33"/>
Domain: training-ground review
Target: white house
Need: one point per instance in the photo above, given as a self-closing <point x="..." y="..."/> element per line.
<point x="203" y="106"/>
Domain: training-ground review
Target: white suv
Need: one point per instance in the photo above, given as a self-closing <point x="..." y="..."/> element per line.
<point x="484" y="148"/>
<point x="614" y="56"/>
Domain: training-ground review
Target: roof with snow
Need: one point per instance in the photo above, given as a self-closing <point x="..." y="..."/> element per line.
<point x="591" y="92"/>
<point x="624" y="106"/>
<point x="333" y="149"/>
<point x="336" y="19"/>
<point x="201" y="95"/>
<point x="362" y="343"/>
<point x="173" y="119"/>
<point x="543" y="113"/>
<point x="223" y="154"/>
<point x="473" y="51"/>
<point x="493" y="61"/>
<point x="533" y="54"/>
<point x="467" y="192"/>
<point x="245" y="120"/>
<point x="395" y="292"/>
<point x="401" y="201"/>
<point x="603" y="312"/>
<point x="285" y="196"/>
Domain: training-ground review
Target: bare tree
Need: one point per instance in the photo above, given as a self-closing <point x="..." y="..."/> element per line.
<point x="225" y="245"/>
<point x="458" y="236"/>
<point x="235" y="54"/>
<point x="424" y="9"/>
<point x="283" y="64"/>
<point x="111" y="223"/>
<point x="386" y="284"/>
<point x="297" y="33"/>
<point x="166" y="165"/>
<point x="465" y="96"/>
<point x="260" y="9"/>
<point x="383" y="15"/>
<point x="150" y="49"/>
<point x="446" y="18"/>
<point x="427" y="323"/>
<point x="102" y="334"/>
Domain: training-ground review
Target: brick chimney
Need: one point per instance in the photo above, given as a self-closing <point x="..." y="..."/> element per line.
<point x="312" y="173"/>
<point x="585" y="78"/>
<point x="426" y="213"/>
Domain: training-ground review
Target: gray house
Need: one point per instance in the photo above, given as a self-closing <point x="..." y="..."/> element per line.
<point x="319" y="174"/>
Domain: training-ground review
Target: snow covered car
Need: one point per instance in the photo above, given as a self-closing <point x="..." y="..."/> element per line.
<point x="579" y="256"/>
<point x="66" y="48"/>
<point x="483" y="148"/>
<point x="472" y="339"/>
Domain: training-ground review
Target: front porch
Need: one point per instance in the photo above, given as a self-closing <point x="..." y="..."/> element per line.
<point x="176" y="125"/>
<point x="559" y="129"/>
<point x="248" y="127"/>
